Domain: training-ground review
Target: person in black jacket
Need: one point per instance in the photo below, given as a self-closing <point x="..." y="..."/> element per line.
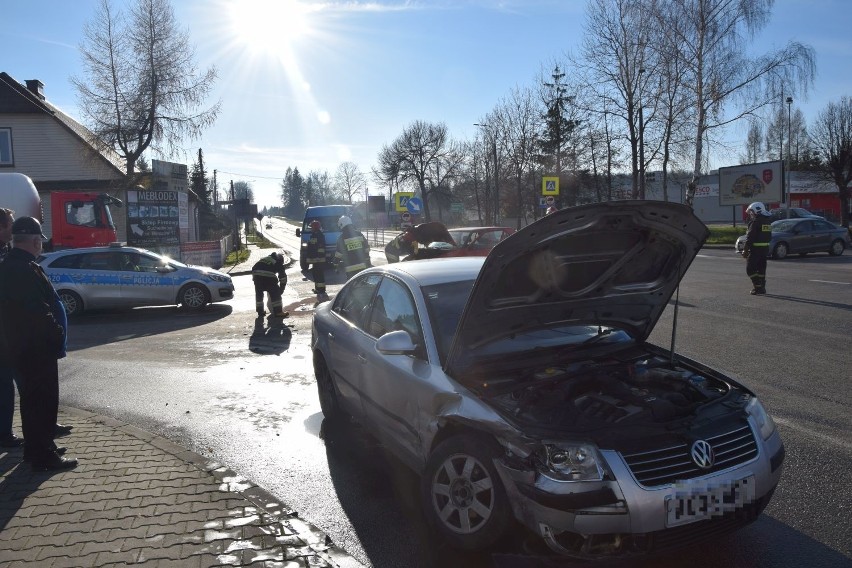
<point x="315" y="255"/>
<point x="8" y="439"/>
<point x="269" y="276"/>
<point x="32" y="337"/>
<point x="756" y="247"/>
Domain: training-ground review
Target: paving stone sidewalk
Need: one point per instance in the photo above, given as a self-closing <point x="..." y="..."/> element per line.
<point x="138" y="499"/>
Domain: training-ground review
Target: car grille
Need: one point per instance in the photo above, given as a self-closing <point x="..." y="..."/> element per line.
<point x="667" y="465"/>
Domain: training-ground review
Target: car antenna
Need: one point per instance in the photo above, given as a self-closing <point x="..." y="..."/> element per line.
<point x="674" y="316"/>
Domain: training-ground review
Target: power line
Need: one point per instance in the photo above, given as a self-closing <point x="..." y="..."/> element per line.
<point x="249" y="175"/>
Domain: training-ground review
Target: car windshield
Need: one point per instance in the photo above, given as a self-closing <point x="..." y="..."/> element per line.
<point x="328" y="223"/>
<point x="784" y="225"/>
<point x="445" y="303"/>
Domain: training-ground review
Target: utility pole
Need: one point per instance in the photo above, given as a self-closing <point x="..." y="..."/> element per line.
<point x="236" y="221"/>
<point x="641" y="141"/>
<point x="789" y="138"/>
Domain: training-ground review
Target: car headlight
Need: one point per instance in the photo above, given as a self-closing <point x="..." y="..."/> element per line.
<point x="219" y="277"/>
<point x="571" y="462"/>
<point x="764" y="422"/>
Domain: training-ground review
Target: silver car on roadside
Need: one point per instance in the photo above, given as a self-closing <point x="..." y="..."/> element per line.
<point x="118" y="276"/>
<point x="521" y="388"/>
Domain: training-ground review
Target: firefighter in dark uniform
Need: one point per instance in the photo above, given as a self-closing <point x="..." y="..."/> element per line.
<point x="315" y="254"/>
<point x="757" y="245"/>
<point x="353" y="250"/>
<point x="32" y="339"/>
<point x="400" y="246"/>
<point x="269" y="276"/>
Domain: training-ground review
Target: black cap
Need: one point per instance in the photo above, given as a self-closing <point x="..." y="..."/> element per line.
<point x="27" y="226"/>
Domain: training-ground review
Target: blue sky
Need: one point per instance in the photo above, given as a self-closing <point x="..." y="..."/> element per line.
<point x="350" y="76"/>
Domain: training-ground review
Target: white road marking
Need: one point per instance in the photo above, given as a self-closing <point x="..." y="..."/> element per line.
<point x="831" y="282"/>
<point x="819" y="435"/>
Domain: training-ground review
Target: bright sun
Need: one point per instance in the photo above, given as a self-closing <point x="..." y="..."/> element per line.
<point x="270" y="26"/>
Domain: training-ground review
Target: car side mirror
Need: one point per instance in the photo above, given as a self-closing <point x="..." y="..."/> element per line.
<point x="298" y="232"/>
<point x="396" y="343"/>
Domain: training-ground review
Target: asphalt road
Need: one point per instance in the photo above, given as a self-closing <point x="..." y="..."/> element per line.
<point x="220" y="385"/>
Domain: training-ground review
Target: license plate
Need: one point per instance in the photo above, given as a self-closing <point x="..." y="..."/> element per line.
<point x="691" y="503"/>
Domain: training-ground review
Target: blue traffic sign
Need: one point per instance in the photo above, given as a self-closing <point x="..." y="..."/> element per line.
<point x="414" y="205"/>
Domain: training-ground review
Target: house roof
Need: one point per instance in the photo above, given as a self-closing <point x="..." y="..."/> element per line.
<point x="16" y="98"/>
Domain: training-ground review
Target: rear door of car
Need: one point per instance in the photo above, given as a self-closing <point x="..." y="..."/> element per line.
<point x="803" y="238"/>
<point x="146" y="280"/>
<point x="348" y="340"/>
<point x="823" y="234"/>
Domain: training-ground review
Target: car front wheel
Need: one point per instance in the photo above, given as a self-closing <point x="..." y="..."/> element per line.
<point x="780" y="251"/>
<point x="837" y="248"/>
<point x="463" y="497"/>
<point x="72" y="301"/>
<point x="193" y="297"/>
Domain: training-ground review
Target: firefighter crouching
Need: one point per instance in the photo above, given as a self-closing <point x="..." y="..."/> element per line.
<point x="268" y="276"/>
<point x="316" y="258"/>
<point x="353" y="250"/>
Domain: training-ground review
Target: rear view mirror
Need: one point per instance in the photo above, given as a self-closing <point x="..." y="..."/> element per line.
<point x="298" y="232"/>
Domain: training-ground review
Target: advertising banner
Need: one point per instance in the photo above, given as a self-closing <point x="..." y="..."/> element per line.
<point x="742" y="185"/>
<point x="153" y="218"/>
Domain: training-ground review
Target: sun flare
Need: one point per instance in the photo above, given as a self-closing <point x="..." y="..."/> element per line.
<point x="271" y="26"/>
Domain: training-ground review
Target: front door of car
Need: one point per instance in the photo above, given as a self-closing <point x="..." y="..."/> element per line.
<point x="146" y="280"/>
<point x="803" y="238"/>
<point x="393" y="386"/>
<point x="347" y="339"/>
<point x="98" y="277"/>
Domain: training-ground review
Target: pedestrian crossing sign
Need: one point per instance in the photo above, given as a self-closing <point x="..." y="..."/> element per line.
<point x="401" y="200"/>
<point x="550" y="185"/>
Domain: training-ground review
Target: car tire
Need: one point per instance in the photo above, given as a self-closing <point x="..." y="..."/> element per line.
<point x="463" y="496"/>
<point x="837" y="248"/>
<point x="780" y="251"/>
<point x="72" y="301"/>
<point x="329" y="403"/>
<point x="193" y="297"/>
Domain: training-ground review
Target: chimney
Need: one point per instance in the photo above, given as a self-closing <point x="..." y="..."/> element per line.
<point x="36" y="87"/>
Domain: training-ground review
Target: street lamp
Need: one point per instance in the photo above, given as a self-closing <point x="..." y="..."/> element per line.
<point x="789" y="143"/>
<point x="493" y="137"/>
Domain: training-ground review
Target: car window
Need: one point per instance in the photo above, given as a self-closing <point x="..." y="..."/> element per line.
<point x="67" y="261"/>
<point x="445" y="303"/>
<point x="804" y="227"/>
<point x="100" y="261"/>
<point x="394" y="310"/>
<point x="147" y="263"/>
<point x="353" y="301"/>
<point x="823" y="225"/>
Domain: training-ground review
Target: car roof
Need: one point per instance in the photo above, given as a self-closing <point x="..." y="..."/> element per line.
<point x="480" y="229"/>
<point x="100" y="249"/>
<point x="429" y="272"/>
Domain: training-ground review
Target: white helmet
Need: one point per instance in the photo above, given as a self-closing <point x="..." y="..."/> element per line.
<point x="757" y="208"/>
<point x="343" y="221"/>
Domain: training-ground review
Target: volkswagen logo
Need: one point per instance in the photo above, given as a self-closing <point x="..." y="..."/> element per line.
<point x="702" y="454"/>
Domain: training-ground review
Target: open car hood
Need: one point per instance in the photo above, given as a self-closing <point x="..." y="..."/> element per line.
<point x="613" y="264"/>
<point x="426" y="233"/>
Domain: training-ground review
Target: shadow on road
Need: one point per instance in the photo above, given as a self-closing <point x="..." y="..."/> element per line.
<point x="110" y="326"/>
<point x="270" y="337"/>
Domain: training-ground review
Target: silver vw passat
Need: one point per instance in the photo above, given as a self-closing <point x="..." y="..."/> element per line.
<point x="521" y="388"/>
<point x="123" y="277"/>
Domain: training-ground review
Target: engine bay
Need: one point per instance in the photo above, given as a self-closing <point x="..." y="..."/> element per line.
<point x="592" y="394"/>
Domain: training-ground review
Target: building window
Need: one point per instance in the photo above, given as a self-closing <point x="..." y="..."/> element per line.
<point x="6" y="147"/>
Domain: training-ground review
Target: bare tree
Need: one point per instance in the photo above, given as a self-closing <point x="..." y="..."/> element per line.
<point x="141" y="88"/>
<point x="519" y="120"/>
<point x="753" y="148"/>
<point x="350" y="182"/>
<point x="831" y="135"/>
<point x="711" y="35"/>
<point x="415" y="156"/>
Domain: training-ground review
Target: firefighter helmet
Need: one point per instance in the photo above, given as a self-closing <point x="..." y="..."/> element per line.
<point x="343" y="221"/>
<point x="757" y="208"/>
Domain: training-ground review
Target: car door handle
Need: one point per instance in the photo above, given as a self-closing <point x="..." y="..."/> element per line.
<point x="362" y="358"/>
<point x="330" y="336"/>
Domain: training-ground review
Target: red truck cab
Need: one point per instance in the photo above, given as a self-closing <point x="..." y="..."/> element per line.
<point x="81" y="219"/>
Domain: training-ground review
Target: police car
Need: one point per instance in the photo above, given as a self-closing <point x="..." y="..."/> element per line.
<point x="119" y="276"/>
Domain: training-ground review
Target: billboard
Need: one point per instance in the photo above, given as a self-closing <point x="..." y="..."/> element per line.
<point x="742" y="185"/>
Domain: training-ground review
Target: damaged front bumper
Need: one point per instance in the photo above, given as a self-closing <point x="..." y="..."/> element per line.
<point x="620" y="517"/>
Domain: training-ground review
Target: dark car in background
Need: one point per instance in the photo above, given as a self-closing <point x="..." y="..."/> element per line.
<point x="802" y="236"/>
<point x="521" y="388"/>
<point x="119" y="276"/>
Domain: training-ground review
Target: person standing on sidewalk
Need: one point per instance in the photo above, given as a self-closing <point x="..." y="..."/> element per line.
<point x="269" y="276"/>
<point x="353" y="250"/>
<point x="33" y="340"/>
<point x="315" y="254"/>
<point x="8" y="439"/>
<point x="756" y="247"/>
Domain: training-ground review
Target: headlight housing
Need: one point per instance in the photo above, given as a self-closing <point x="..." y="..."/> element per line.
<point x="218" y="277"/>
<point x="764" y="422"/>
<point x="570" y="462"/>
